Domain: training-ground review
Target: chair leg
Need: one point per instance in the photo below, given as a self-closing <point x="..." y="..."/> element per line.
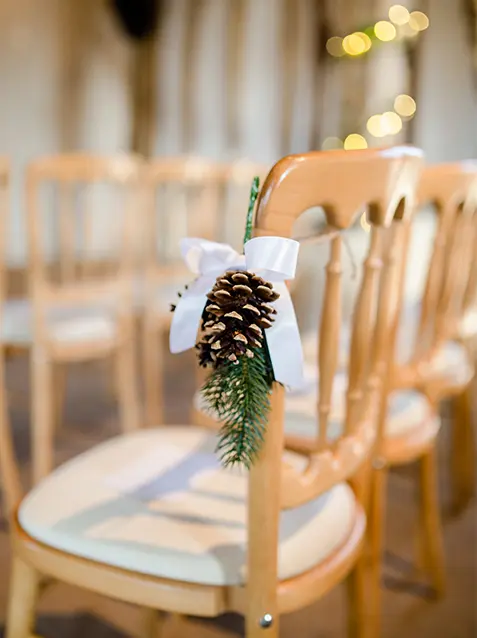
<point x="153" y="376"/>
<point x="357" y="597"/>
<point x="376" y="526"/>
<point x="152" y="623"/>
<point x="42" y="412"/>
<point x="463" y="451"/>
<point x="127" y="386"/>
<point x="430" y="522"/>
<point x="24" y="588"/>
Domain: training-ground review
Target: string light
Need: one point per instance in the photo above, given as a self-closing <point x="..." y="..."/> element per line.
<point x="418" y="21"/>
<point x="405" y="105"/>
<point x="354" y="142"/>
<point x="353" y="44"/>
<point x="334" y="46"/>
<point x="391" y="123"/>
<point x="398" y="14"/>
<point x="360" y="42"/>
<point x="374" y="126"/>
<point x="385" y="31"/>
<point x="332" y="144"/>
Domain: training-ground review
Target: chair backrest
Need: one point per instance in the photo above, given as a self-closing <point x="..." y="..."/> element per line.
<point x="451" y="283"/>
<point x="193" y="196"/>
<point x="342" y="183"/>
<point x="81" y="237"/>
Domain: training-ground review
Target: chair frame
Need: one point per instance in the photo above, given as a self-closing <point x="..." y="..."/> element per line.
<point x="48" y="360"/>
<point x="289" y="190"/>
<point x="449" y="295"/>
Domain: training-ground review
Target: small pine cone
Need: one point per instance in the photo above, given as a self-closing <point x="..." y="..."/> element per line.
<point x="237" y="312"/>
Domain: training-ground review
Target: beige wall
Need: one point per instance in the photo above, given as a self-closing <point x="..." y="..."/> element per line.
<point x="65" y="68"/>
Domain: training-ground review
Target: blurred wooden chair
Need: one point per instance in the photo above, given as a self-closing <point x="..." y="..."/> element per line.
<point x="79" y="306"/>
<point x="442" y="363"/>
<point x="188" y="197"/>
<point x="152" y="519"/>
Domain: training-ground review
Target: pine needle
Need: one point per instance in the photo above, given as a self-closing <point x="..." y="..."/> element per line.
<point x="240" y="396"/>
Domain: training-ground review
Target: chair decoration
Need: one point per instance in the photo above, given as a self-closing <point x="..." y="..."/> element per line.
<point x="248" y="335"/>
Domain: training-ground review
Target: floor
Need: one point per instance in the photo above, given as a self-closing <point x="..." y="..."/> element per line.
<point x="69" y="613"/>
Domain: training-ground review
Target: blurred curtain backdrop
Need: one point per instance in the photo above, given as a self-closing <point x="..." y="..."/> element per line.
<point x="233" y="79"/>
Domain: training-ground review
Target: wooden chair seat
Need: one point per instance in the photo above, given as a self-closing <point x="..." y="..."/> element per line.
<point x="158" y="502"/>
<point x="66" y="325"/>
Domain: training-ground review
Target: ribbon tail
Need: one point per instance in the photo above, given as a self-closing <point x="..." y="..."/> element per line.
<point x="186" y="318"/>
<point x="284" y="342"/>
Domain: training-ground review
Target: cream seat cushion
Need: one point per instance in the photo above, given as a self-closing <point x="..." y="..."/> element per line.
<point x="407" y="410"/>
<point x="158" y="502"/>
<point x="67" y="325"/>
<point x="451" y="362"/>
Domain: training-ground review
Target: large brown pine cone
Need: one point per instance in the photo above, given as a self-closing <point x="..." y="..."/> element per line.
<point x="237" y="312"/>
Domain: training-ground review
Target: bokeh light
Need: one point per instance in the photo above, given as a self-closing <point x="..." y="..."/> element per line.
<point x="334" y="46"/>
<point x="332" y="144"/>
<point x="405" y="105"/>
<point x="399" y="14"/>
<point x="374" y="126"/>
<point x="385" y="31"/>
<point x="366" y="39"/>
<point x="354" y="142"/>
<point x="391" y="123"/>
<point x="418" y="21"/>
<point x="353" y="44"/>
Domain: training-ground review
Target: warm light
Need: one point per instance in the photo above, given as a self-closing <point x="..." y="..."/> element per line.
<point x="353" y="44"/>
<point x="391" y="123"/>
<point x="365" y="38"/>
<point x="398" y="14"/>
<point x="385" y="31"/>
<point x="334" y="46"/>
<point x="418" y="21"/>
<point x="364" y="223"/>
<point x="332" y="143"/>
<point x="405" y="105"/>
<point x="375" y="127"/>
<point x="355" y="142"/>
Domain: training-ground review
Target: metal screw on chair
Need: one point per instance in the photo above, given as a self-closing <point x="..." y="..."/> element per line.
<point x="266" y="621"/>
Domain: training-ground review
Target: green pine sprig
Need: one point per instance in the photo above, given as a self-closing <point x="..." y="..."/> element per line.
<point x="240" y="396"/>
<point x="239" y="393"/>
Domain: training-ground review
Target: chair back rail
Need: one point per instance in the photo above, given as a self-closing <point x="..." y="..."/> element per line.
<point x="342" y="183"/>
<point x="451" y="276"/>
<point x="191" y="197"/>
<point x="74" y="271"/>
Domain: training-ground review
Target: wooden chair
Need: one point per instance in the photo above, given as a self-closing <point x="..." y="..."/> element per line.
<point x="79" y="306"/>
<point x="312" y="416"/>
<point x="187" y="197"/>
<point x="442" y="363"/>
<point x="152" y="519"/>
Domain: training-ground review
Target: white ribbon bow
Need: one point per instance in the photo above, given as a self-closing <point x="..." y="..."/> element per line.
<point x="274" y="259"/>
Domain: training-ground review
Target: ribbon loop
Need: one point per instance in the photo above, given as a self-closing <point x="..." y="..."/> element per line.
<point x="274" y="259"/>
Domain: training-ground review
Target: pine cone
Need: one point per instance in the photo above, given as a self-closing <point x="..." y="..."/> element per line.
<point x="235" y="317"/>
